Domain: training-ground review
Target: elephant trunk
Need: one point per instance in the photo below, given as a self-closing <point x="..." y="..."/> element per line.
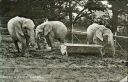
<point x="37" y="41"/>
<point x="32" y="41"/>
<point x="38" y="38"/>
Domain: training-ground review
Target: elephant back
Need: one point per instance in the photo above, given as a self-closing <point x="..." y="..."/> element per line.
<point x="13" y="24"/>
<point x="14" y="21"/>
<point x="93" y="27"/>
<point x="56" y="28"/>
<point x="59" y="29"/>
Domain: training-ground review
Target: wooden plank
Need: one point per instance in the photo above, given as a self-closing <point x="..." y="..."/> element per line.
<point x="86" y="45"/>
<point x="124" y="37"/>
<point x="79" y="32"/>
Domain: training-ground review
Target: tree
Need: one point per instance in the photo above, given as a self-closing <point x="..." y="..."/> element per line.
<point x="52" y="9"/>
<point x="87" y="7"/>
<point x="118" y="7"/>
<point x="15" y="8"/>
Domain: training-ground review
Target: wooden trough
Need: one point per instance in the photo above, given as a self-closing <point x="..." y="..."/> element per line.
<point x="83" y="48"/>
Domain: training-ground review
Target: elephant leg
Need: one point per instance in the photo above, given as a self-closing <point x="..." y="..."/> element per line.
<point x="113" y="50"/>
<point x="49" y="40"/>
<point x="16" y="45"/>
<point x="38" y="45"/>
<point x="111" y="45"/>
<point x="89" y="39"/>
<point x="27" y="42"/>
<point x="61" y="40"/>
<point x="24" y="47"/>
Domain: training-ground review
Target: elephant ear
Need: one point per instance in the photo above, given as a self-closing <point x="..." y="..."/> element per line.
<point x="47" y="29"/>
<point x="99" y="35"/>
<point x="19" y="30"/>
<point x="27" y="25"/>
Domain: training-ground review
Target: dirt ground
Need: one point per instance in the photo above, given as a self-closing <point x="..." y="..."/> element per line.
<point x="53" y="67"/>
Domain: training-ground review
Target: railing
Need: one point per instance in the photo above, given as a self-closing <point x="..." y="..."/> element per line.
<point x="124" y="37"/>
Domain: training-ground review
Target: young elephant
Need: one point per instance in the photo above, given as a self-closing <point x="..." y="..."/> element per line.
<point x="99" y="34"/>
<point x="51" y="30"/>
<point x="22" y="32"/>
<point x="91" y="30"/>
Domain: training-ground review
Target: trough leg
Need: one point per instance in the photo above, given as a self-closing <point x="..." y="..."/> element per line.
<point x="50" y="41"/>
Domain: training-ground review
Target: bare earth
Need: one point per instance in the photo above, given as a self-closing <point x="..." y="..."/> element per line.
<point x="53" y="67"/>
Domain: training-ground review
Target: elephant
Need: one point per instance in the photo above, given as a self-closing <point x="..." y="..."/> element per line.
<point x="99" y="34"/>
<point x="22" y="33"/>
<point x="91" y="30"/>
<point x="51" y="30"/>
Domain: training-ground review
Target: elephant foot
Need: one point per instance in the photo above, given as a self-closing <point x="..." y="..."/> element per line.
<point x="48" y="49"/>
<point x="16" y="51"/>
<point x="32" y="49"/>
<point x="24" y="53"/>
<point x="38" y="48"/>
<point x="19" y="54"/>
<point x="27" y="55"/>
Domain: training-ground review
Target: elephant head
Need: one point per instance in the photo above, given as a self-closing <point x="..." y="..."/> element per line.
<point x="42" y="31"/>
<point x="28" y="31"/>
<point x="43" y="28"/>
<point x="105" y="35"/>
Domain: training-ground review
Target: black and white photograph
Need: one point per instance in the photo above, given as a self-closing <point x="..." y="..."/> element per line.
<point x="63" y="40"/>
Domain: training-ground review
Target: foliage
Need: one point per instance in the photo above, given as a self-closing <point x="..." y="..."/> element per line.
<point x="118" y="7"/>
<point x="15" y="7"/>
<point x="71" y="12"/>
<point x="54" y="9"/>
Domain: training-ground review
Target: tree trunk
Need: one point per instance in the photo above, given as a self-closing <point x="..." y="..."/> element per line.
<point x="70" y="14"/>
<point x="114" y="20"/>
<point x="115" y="16"/>
<point x="70" y="18"/>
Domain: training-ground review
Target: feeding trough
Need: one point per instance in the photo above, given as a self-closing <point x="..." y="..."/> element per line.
<point x="83" y="48"/>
